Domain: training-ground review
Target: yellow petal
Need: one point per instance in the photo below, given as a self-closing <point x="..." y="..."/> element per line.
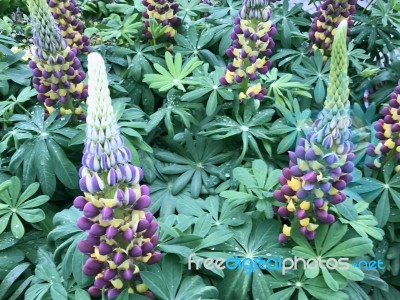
<point x="290" y="207"/>
<point x="141" y="288"/>
<point x="305" y="205"/>
<point x="117" y="283"/>
<point x="305" y="221"/>
<point x="286" y="230"/>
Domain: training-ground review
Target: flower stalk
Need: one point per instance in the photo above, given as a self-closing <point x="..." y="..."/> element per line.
<point x="387" y="132"/>
<point x="57" y="74"/>
<point x="67" y="15"/>
<point x="321" y="165"/>
<point x="324" y="26"/>
<point x="121" y="233"/>
<point x="252" y="43"/>
<point x="163" y="12"/>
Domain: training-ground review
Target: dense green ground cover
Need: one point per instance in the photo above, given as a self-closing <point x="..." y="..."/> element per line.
<point x="251" y="140"/>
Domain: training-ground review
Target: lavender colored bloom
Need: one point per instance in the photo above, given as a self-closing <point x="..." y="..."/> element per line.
<point x="121" y="233"/>
<point x="67" y="16"/>
<point x="324" y="26"/>
<point x="252" y="43"/>
<point x="320" y="166"/>
<point x="388" y="132"/>
<point x="55" y="67"/>
<point x="164" y="13"/>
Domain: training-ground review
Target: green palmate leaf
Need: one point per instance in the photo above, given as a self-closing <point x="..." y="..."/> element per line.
<point x="347" y="209"/>
<point x="196" y="163"/>
<point x="34" y="155"/>
<point x="44" y="168"/>
<point x="260" y="286"/>
<point x="33" y="202"/>
<point x="17" y="228"/>
<point x="174" y="76"/>
<point x="382" y="210"/>
<point x="195" y="286"/>
<point x="18" y="205"/>
<point x="352" y="247"/>
<point x="31" y="215"/>
<point x="4" y="221"/>
<point x="303" y="252"/>
<point x="7" y="240"/>
<point x="364" y="224"/>
<point x="167" y="283"/>
<point x="235" y="285"/>
<point x="78" y="260"/>
<point x="82" y="295"/>
<point x="64" y="169"/>
<point x="330" y="281"/>
<point x="352" y="273"/>
<point x="11" y="278"/>
<point x="283" y="295"/>
<point x="333" y="236"/>
<point x="29" y="192"/>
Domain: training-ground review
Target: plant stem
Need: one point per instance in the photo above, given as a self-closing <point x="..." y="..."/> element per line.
<point x="23" y="108"/>
<point x="70" y="105"/>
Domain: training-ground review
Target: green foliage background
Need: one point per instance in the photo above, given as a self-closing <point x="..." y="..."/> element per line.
<point x="211" y="164"/>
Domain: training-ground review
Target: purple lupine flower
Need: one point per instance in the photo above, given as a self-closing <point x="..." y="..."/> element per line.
<point x="67" y="15"/>
<point x="252" y="43"/>
<point x="321" y="165"/>
<point x="164" y="13"/>
<point x="387" y="131"/>
<point x="120" y="232"/>
<point x="57" y="74"/>
<point x="324" y="26"/>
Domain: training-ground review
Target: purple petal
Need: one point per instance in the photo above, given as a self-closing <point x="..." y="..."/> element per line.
<point x="80" y="202"/>
<point x="84" y="223"/>
<point x="150" y="230"/>
<point x="107" y="213"/>
<point x="143" y="202"/>
<point x="136" y="251"/>
<point x="85" y="247"/>
<point x="90" y="210"/>
<point x="111" y="232"/>
<point x="147" y="247"/>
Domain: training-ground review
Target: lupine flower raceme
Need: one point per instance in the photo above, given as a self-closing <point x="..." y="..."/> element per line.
<point x="252" y="43"/>
<point x="67" y="15"/>
<point x="121" y="233"/>
<point x="388" y="132"/>
<point x="57" y="74"/>
<point x="164" y="13"/>
<point x="324" y="26"/>
<point x="321" y="165"/>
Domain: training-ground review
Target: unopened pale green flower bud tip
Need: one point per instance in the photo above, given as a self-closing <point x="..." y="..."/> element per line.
<point x="100" y="111"/>
<point x="338" y="91"/>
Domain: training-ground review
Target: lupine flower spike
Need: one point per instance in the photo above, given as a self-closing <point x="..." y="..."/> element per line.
<point x="56" y="70"/>
<point x="252" y="43"/>
<point x="324" y="26"/>
<point x="164" y="13"/>
<point x="387" y="131"/>
<point x="121" y="234"/>
<point x="321" y="165"/>
<point x="67" y="15"/>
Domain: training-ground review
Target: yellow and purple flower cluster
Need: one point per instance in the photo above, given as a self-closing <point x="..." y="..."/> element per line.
<point x="330" y="13"/>
<point x="321" y="165"/>
<point x="252" y="43"/>
<point x="57" y="74"/>
<point x="387" y="131"/>
<point x="164" y="13"/>
<point x="67" y="15"/>
<point x="121" y="234"/>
